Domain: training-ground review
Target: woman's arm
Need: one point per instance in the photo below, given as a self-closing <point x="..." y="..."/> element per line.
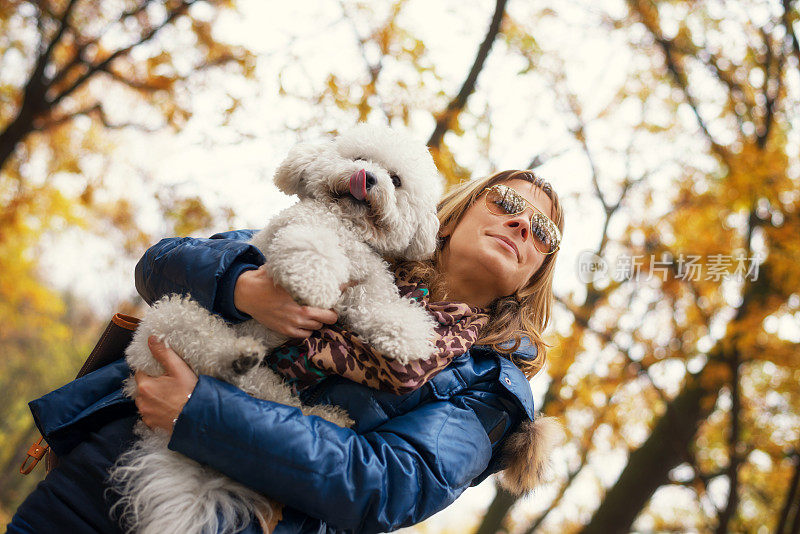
<point x="205" y="268"/>
<point x="223" y="275"/>
<point x="407" y="469"/>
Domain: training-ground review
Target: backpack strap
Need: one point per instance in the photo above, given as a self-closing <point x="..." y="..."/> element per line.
<point x="111" y="347"/>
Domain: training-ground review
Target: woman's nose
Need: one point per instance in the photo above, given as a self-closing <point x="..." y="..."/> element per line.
<point x="520" y="223"/>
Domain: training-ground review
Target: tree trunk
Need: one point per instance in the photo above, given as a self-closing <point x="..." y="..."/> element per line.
<point x="729" y="512"/>
<point x="492" y="521"/>
<point x="648" y="466"/>
<point x="16" y="131"/>
<point x="791" y="506"/>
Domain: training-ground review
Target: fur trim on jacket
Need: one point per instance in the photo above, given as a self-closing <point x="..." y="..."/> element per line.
<point x="527" y="454"/>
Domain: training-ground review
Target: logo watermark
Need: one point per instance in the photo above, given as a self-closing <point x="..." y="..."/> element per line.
<point x="692" y="267"/>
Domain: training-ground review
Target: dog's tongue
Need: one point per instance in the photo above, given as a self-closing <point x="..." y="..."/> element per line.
<point x="358" y="184"/>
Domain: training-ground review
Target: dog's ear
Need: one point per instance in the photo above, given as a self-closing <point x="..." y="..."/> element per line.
<point x="290" y="174"/>
<point x="423" y="243"/>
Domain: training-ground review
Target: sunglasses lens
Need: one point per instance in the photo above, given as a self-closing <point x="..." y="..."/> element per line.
<point x="542" y="240"/>
<point x="504" y="201"/>
<point x="544" y="235"/>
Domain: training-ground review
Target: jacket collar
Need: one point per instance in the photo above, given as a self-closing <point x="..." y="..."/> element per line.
<point x="511" y="376"/>
<point x="515" y="382"/>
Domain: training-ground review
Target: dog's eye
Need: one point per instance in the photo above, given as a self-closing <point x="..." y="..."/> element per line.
<point x="360" y="158"/>
<point x="396" y="180"/>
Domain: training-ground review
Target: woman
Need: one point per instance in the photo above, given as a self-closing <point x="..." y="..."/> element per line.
<point x="407" y="457"/>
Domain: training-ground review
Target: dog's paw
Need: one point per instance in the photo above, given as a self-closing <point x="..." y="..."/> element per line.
<point x="248" y="353"/>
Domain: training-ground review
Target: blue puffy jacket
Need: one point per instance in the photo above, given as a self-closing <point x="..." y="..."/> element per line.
<point x="407" y="457"/>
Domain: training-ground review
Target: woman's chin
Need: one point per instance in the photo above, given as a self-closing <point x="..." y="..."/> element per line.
<point x="497" y="269"/>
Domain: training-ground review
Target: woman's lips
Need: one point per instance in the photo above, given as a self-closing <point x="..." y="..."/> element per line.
<point x="507" y="244"/>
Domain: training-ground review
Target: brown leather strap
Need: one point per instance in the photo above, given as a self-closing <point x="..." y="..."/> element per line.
<point x="35" y="453"/>
<point x="126" y="321"/>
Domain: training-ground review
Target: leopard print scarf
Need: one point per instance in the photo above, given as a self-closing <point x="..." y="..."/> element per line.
<point x="335" y="351"/>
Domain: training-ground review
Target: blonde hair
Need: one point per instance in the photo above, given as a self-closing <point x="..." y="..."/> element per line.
<point x="526" y="312"/>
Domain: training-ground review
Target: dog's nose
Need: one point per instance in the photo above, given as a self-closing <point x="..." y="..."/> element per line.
<point x="371" y="180"/>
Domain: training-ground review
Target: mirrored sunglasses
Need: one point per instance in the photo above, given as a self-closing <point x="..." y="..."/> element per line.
<point x="502" y="200"/>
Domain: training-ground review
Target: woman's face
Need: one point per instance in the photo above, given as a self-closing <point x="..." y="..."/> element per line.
<point x="497" y="251"/>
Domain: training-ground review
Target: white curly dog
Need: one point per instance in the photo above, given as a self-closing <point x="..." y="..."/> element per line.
<point x="367" y="195"/>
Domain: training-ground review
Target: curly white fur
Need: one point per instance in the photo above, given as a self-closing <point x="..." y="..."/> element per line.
<point x="163" y="491"/>
<point x="327" y="239"/>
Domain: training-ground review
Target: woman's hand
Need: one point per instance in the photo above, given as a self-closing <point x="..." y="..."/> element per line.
<point x="160" y="399"/>
<point x="268" y="303"/>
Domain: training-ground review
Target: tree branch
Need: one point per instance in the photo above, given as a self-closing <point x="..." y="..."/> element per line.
<point x="579" y="133"/>
<point x="34" y="93"/>
<point x="540" y="159"/>
<point x="492" y="520"/>
<point x="373" y="69"/>
<point x="770" y="99"/>
<point x="668" y="444"/>
<point x="63" y="25"/>
<point x="99" y="112"/>
<point x="565" y="486"/>
<point x="447" y="118"/>
<point x="151" y="88"/>
<point x="670" y="51"/>
<point x="104" y="65"/>
<point x="78" y="58"/>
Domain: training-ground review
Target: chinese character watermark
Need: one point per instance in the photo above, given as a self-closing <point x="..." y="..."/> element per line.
<point x="690" y="267"/>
